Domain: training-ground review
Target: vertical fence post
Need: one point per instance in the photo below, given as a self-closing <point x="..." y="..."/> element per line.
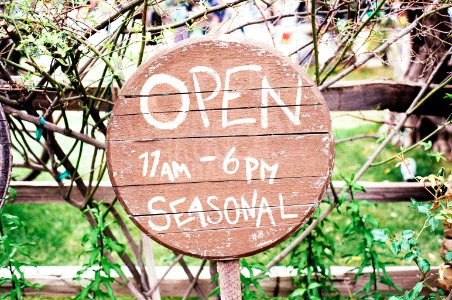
<point x="150" y="265"/>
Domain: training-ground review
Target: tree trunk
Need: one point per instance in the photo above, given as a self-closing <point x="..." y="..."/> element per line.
<point x="430" y="42"/>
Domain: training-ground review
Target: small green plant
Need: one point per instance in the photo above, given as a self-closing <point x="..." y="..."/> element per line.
<point x="13" y="255"/>
<point x="435" y="212"/>
<point x="312" y="259"/>
<point x="99" y="248"/>
<point x="251" y="288"/>
<point x="368" y="239"/>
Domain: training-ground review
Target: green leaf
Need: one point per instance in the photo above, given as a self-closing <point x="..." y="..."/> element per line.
<point x="426" y="145"/>
<point x="407" y="234"/>
<point x="298" y="292"/>
<point x="448" y="256"/>
<point x="424" y="209"/>
<point x="405" y="245"/>
<point x="314" y="285"/>
<point x="215" y="292"/>
<point x="437" y="155"/>
<point x="433" y="223"/>
<point x="379" y="235"/>
<point x="424" y="265"/>
<point x="417" y="288"/>
<point x="409" y="256"/>
<point x="395" y="247"/>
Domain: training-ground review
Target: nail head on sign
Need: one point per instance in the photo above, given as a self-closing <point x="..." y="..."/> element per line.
<point x="219" y="148"/>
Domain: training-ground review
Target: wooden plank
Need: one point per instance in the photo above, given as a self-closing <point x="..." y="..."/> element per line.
<point x="58" y="280"/>
<point x="211" y="243"/>
<point x="249" y="193"/>
<point x="283" y="150"/>
<point x="165" y="101"/>
<point x="346" y="96"/>
<point x="224" y="218"/>
<point x="312" y="118"/>
<point x="48" y="191"/>
<point x="391" y="191"/>
<point x="384" y="94"/>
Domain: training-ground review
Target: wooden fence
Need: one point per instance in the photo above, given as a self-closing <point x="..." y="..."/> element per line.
<point x="375" y="95"/>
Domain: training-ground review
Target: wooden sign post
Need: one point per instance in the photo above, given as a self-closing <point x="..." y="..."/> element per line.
<point x="219" y="148"/>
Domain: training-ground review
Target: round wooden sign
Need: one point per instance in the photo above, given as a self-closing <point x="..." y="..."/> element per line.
<point x="5" y="156"/>
<point x="219" y="148"/>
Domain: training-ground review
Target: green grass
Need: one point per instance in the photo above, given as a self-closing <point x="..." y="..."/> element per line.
<point x="351" y="156"/>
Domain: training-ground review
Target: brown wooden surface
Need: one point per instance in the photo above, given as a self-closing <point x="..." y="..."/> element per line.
<point x="297" y="156"/>
<point x="313" y="119"/>
<point x="230" y="286"/>
<point x="5" y="156"/>
<point x="384" y="94"/>
<point x="346" y="96"/>
<point x="196" y="107"/>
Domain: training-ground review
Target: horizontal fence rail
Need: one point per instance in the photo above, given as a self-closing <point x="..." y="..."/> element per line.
<point x="48" y="191"/>
<point x="346" y="96"/>
<point x="58" y="280"/>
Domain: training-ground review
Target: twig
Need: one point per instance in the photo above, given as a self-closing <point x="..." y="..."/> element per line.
<point x="195" y="280"/>
<point x="412" y="146"/>
<point x="152" y="289"/>
<point x="365" y="58"/>
<point x="350" y="41"/>
<point x="266" y="23"/>
<point x="30" y="165"/>
<point x="262" y="20"/>
<point x="191" y="278"/>
<point x="315" y="42"/>
<point x="190" y="19"/>
<point x="143" y="32"/>
<point x="357" y="137"/>
<point x="52" y="127"/>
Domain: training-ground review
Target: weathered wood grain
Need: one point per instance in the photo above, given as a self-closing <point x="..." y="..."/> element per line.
<point x="138" y="198"/>
<point x="313" y="119"/>
<point x="216" y="219"/>
<point x="219" y="158"/>
<point x="385" y="94"/>
<point x="230" y="286"/>
<point x="236" y="241"/>
<point x="164" y="101"/>
<point x="296" y="155"/>
<point x="5" y="156"/>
